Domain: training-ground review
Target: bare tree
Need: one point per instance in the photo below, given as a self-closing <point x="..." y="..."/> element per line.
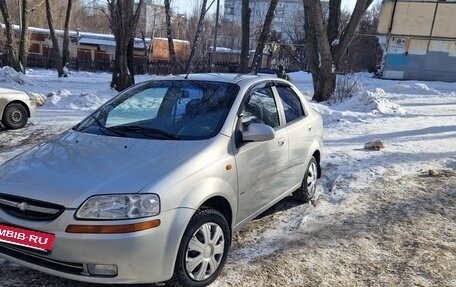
<point x="257" y="58"/>
<point x="60" y="59"/>
<point x="326" y="44"/>
<point x="23" y="42"/>
<point x="245" y="37"/>
<point x="148" y="47"/>
<point x="123" y="19"/>
<point x="13" y="57"/>
<point x="169" y="34"/>
<point x="196" y="40"/>
<point x="90" y="16"/>
<point x="17" y="57"/>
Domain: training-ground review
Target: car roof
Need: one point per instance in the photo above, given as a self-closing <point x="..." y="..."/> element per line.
<point x="221" y="77"/>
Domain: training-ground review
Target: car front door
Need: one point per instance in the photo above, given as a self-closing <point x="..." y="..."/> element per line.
<point x="261" y="166"/>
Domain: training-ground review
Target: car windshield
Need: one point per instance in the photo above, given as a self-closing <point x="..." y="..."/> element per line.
<point x="166" y="109"/>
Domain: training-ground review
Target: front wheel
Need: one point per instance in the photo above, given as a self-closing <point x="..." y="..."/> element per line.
<point x="15" y="116"/>
<point x="309" y="183"/>
<point x="203" y="250"/>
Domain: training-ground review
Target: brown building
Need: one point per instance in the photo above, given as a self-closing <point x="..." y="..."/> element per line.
<point x="98" y="48"/>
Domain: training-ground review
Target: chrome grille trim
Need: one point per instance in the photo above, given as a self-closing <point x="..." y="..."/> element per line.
<point x="29" y="209"/>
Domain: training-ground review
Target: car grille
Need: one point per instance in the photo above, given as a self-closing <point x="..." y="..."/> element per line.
<point x="39" y="259"/>
<point x="29" y="209"/>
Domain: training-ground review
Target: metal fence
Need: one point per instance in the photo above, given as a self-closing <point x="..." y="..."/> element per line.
<point x="158" y="67"/>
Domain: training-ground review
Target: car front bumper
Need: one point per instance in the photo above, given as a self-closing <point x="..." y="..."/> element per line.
<point x="146" y="256"/>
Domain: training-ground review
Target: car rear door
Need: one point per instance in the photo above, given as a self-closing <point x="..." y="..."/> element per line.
<point x="299" y="128"/>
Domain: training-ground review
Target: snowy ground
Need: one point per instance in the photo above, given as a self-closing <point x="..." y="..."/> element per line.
<point x="380" y="218"/>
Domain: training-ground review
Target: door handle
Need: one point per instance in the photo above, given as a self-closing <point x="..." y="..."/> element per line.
<point x="309" y="128"/>
<point x="281" y="141"/>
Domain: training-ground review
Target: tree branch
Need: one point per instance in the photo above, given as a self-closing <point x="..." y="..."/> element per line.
<point x="347" y="35"/>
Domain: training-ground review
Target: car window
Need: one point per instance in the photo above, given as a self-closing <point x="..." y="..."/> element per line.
<point x="260" y="107"/>
<point x="291" y="102"/>
<point x="165" y="109"/>
<point x="144" y="106"/>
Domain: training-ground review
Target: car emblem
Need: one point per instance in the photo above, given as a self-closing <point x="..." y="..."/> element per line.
<point x="23" y="206"/>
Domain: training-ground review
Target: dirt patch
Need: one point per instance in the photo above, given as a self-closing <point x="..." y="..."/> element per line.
<point x="16" y="140"/>
<point x="399" y="232"/>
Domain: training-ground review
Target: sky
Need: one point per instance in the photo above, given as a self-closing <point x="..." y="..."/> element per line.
<point x="185" y="6"/>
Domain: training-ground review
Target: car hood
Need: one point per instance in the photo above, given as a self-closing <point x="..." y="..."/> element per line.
<point x="74" y="166"/>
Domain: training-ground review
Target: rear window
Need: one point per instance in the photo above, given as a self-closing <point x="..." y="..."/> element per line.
<point x="291" y="102"/>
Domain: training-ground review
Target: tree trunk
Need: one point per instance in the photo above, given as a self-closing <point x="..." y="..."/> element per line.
<point x="324" y="85"/>
<point x="55" y="42"/>
<point x="146" y="51"/>
<point x="13" y="59"/>
<point x="257" y="58"/>
<point x="66" y="34"/>
<point x="245" y="37"/>
<point x="324" y="53"/>
<point x="23" y="42"/>
<point x="196" y="41"/>
<point x="334" y="21"/>
<point x="169" y="34"/>
<point x="123" y="21"/>
<point x="149" y="49"/>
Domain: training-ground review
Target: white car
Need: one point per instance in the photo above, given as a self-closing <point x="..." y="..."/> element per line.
<point x="16" y="107"/>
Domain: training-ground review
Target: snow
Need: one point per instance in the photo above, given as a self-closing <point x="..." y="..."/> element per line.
<point x="372" y="207"/>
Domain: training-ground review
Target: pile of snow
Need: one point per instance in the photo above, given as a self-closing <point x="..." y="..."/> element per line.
<point x="9" y="75"/>
<point x="412" y="89"/>
<point x="377" y="103"/>
<point x="64" y="99"/>
<point x="370" y="102"/>
<point x="361" y="107"/>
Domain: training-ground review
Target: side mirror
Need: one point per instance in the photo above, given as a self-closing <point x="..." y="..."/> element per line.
<point x="257" y="132"/>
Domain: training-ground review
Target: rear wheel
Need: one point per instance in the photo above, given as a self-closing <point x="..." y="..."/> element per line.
<point x="309" y="183"/>
<point x="203" y="250"/>
<point x="15" y="116"/>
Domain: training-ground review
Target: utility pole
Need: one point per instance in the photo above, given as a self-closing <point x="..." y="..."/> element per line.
<point x="20" y="16"/>
<point x="214" y="46"/>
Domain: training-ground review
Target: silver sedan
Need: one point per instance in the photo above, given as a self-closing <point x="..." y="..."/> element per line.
<point x="151" y="186"/>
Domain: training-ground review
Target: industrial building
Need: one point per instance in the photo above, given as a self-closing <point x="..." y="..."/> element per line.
<point x="419" y="39"/>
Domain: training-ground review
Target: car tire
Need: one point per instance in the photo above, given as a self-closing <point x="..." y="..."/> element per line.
<point x="309" y="183"/>
<point x="203" y="249"/>
<point x="15" y="116"/>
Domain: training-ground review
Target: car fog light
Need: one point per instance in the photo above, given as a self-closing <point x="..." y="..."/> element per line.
<point x="102" y="269"/>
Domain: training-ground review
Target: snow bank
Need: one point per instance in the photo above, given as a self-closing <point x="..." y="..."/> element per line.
<point x="369" y="102"/>
<point x="9" y="75"/>
<point x="361" y="107"/>
<point x="412" y="89"/>
<point x="64" y="99"/>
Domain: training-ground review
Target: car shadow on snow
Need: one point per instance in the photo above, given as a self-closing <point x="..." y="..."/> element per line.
<point x="429" y="131"/>
<point x="287" y="203"/>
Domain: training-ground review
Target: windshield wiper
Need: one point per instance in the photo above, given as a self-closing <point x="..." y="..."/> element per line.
<point x="103" y="128"/>
<point x="149" y="132"/>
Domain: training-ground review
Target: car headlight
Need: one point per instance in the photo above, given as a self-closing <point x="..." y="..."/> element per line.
<point x="125" y="206"/>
